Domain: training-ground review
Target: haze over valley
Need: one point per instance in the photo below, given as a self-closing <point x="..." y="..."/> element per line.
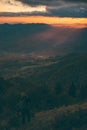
<point x="41" y="39"/>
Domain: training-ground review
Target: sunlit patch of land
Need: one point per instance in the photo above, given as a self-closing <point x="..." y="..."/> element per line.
<point x="55" y="21"/>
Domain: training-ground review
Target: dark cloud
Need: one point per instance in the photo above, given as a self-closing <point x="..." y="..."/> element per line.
<point x="49" y="2"/>
<point x="68" y="10"/>
<point x="24" y="14"/>
<point x="35" y="2"/>
<point x="76" y="0"/>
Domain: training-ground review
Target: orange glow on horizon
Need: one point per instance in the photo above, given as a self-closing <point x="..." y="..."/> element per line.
<point x="55" y="21"/>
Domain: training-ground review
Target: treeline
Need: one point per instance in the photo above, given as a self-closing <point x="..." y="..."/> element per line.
<point x="43" y="96"/>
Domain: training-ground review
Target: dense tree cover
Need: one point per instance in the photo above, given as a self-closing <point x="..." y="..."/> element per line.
<point x="48" y="95"/>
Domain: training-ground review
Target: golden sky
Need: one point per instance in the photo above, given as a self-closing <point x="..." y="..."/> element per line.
<point x="57" y="21"/>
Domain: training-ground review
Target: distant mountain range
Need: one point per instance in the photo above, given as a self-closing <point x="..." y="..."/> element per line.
<point x="42" y="39"/>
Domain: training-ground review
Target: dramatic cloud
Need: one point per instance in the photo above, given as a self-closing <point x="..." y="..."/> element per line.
<point x="62" y="8"/>
<point x="14" y="6"/>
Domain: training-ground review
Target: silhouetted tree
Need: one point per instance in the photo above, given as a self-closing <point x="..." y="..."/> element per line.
<point x="83" y="92"/>
<point x="58" y="88"/>
<point x="24" y="109"/>
<point x="72" y="90"/>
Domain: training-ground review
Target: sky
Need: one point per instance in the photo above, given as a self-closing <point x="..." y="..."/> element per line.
<point x="44" y="11"/>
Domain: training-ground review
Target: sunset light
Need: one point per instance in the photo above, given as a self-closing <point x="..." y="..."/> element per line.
<point x="72" y="22"/>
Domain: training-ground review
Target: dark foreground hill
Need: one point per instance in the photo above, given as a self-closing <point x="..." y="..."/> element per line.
<point x="44" y="94"/>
